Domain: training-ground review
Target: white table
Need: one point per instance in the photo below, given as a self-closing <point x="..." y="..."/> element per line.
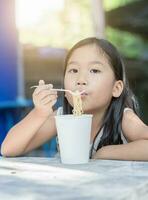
<point x="35" y="178"/>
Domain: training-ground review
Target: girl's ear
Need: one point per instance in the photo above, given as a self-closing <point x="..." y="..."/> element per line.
<point x="118" y="88"/>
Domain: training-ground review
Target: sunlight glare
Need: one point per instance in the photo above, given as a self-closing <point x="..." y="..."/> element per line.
<point x="29" y="12"/>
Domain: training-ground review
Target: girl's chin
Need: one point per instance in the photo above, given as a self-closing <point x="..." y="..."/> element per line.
<point x="87" y="111"/>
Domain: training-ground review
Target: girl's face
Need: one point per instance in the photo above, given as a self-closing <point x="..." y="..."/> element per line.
<point x="88" y="69"/>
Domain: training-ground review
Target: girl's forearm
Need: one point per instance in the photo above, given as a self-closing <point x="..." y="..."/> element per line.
<point x="21" y="134"/>
<point x="136" y="150"/>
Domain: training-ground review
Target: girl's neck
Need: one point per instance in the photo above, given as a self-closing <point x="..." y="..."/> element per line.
<point x="97" y="121"/>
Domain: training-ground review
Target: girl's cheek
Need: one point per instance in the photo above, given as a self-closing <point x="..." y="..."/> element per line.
<point x="66" y="83"/>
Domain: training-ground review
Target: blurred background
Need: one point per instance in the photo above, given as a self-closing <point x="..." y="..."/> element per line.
<point x="36" y="34"/>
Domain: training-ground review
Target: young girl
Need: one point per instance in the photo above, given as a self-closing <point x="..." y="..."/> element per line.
<point x="93" y="65"/>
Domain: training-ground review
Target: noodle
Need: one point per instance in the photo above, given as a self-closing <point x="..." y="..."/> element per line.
<point x="77" y="102"/>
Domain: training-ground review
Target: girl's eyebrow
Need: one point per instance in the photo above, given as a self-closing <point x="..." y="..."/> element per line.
<point x="72" y="62"/>
<point x="96" y="62"/>
<point x="91" y="62"/>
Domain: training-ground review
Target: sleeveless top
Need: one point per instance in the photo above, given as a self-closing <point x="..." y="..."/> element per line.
<point x="97" y="140"/>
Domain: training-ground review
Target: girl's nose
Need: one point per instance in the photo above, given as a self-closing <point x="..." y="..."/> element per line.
<point x="81" y="81"/>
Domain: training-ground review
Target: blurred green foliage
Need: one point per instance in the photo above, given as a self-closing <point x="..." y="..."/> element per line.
<point x="130" y="45"/>
<point x="111" y="4"/>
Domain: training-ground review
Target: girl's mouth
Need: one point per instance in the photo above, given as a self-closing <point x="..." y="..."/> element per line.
<point x="84" y="94"/>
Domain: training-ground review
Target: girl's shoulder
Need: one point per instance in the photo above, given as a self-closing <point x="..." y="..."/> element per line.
<point x="129" y="115"/>
<point x="127" y="109"/>
<point x="132" y="125"/>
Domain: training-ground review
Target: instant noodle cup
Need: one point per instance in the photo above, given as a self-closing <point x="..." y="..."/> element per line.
<point x="74" y="137"/>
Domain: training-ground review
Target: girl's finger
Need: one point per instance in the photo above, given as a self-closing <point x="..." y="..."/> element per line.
<point x="48" y="100"/>
<point x="49" y="97"/>
<point x="41" y="82"/>
<point x="40" y="89"/>
<point x="43" y="87"/>
<point x="51" y="103"/>
<point x="45" y="94"/>
<point x="49" y="86"/>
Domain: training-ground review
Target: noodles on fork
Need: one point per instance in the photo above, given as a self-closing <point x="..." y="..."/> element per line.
<point x="77" y="101"/>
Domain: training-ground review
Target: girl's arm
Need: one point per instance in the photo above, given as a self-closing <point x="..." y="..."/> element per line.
<point x="137" y="134"/>
<point x="136" y="150"/>
<point x="36" y="128"/>
<point x="44" y="134"/>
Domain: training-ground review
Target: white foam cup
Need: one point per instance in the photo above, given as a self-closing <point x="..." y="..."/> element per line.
<point x="74" y="137"/>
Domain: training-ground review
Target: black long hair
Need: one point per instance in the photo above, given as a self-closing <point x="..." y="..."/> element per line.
<point x="113" y="116"/>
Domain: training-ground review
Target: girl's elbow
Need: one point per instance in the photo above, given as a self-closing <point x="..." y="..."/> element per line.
<point x="6" y="151"/>
<point x="3" y="151"/>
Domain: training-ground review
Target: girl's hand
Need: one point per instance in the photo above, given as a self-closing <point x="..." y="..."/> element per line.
<point x="44" y="99"/>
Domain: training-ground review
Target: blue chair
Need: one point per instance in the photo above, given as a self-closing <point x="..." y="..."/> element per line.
<point x="10" y="113"/>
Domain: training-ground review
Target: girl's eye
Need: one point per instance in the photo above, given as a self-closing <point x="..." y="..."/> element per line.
<point x="95" y="71"/>
<point x="73" y="70"/>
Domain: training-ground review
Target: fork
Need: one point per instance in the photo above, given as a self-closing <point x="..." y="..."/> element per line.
<point x="62" y="90"/>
